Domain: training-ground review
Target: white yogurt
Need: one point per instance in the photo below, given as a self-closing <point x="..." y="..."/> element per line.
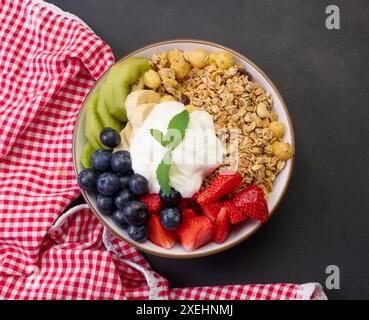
<point x="199" y="154"/>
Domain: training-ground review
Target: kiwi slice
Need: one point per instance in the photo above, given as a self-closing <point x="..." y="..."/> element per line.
<point x="108" y="88"/>
<point x="93" y="125"/>
<point x="138" y="85"/>
<point x="106" y="118"/>
<point x="119" y="82"/>
<point x="86" y="155"/>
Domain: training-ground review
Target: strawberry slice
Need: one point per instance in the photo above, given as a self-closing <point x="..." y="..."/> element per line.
<point x="158" y="234"/>
<point x="152" y="202"/>
<point x="183" y="203"/>
<point x="223" y="184"/>
<point x="187" y="214"/>
<point x="221" y="226"/>
<point x="196" y="195"/>
<point x="195" y="232"/>
<point x="194" y="206"/>
<point x="251" y="203"/>
<point x="235" y="214"/>
<point x="211" y="210"/>
<point x="190" y="203"/>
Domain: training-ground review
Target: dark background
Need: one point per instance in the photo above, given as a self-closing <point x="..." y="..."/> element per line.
<point x="323" y="76"/>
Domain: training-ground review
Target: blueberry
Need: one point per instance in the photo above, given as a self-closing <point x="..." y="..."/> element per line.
<point x="110" y="138"/>
<point x="101" y="160"/>
<point x="138" y="184"/>
<point x="135" y="213"/>
<point x="87" y="179"/>
<point x="122" y="197"/>
<point x="108" y="184"/>
<point x="172" y="199"/>
<point x="170" y="218"/>
<point x="138" y="233"/>
<point x="121" y="162"/>
<point x="123" y="182"/>
<point x="105" y="204"/>
<point x="118" y="218"/>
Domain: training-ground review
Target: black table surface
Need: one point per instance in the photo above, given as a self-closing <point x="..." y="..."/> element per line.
<point x="323" y="75"/>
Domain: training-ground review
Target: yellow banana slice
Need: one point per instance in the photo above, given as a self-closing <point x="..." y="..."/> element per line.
<point x="140" y="114"/>
<point x="125" y="138"/>
<point x="138" y="97"/>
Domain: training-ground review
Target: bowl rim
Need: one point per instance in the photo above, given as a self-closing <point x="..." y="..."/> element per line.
<point x="190" y="255"/>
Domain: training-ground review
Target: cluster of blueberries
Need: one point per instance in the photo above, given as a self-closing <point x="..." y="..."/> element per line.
<point x="119" y="189"/>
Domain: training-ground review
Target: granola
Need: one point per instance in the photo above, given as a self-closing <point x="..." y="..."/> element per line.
<point x="236" y="103"/>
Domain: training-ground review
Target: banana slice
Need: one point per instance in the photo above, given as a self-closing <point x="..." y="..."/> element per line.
<point x="140" y="114"/>
<point x="137" y="118"/>
<point x="138" y="106"/>
<point x="138" y="97"/>
<point x="125" y="138"/>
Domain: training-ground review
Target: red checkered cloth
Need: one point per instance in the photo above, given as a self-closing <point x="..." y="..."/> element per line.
<point x="49" y="60"/>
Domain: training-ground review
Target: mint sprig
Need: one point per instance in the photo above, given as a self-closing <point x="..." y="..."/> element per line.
<point x="162" y="172"/>
<point x="175" y="134"/>
<point x="177" y="128"/>
<point x="157" y="135"/>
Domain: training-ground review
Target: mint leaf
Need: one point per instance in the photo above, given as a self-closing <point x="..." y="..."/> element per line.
<point x="172" y="139"/>
<point x="162" y="173"/>
<point x="158" y="136"/>
<point x="176" y="129"/>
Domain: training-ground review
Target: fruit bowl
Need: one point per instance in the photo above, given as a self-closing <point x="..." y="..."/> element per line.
<point x="241" y="231"/>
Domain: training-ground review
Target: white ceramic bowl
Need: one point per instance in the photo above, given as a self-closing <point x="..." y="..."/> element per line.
<point x="239" y="232"/>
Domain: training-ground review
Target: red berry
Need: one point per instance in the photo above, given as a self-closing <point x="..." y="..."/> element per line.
<point x="187" y="213"/>
<point x="235" y="214"/>
<point x="183" y="203"/>
<point x="159" y="235"/>
<point x="195" y="232"/>
<point x="190" y="203"/>
<point x="196" y="195"/>
<point x="251" y="203"/>
<point x="211" y="210"/>
<point x="223" y="184"/>
<point x="221" y="226"/>
<point x="152" y="202"/>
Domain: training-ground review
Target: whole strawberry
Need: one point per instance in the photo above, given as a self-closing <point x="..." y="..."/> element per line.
<point x="153" y="202"/>
<point x="251" y="203"/>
